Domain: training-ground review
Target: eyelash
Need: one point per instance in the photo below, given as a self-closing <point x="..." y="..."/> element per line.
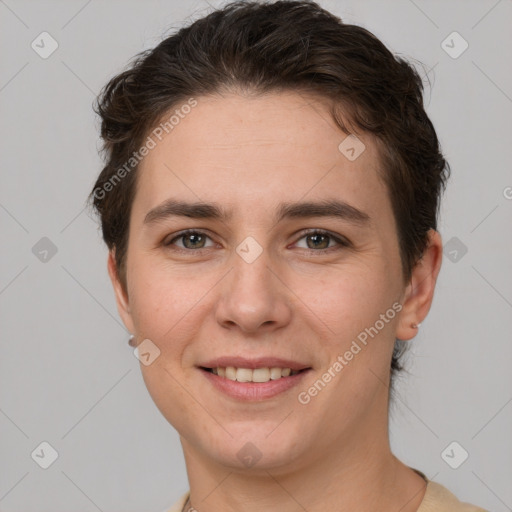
<point x="340" y="241"/>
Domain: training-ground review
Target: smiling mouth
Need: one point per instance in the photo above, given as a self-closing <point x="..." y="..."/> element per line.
<point x="256" y="375"/>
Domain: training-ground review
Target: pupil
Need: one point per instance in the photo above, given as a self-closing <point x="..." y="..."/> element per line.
<point x="194" y="239"/>
<point x="317" y="238"/>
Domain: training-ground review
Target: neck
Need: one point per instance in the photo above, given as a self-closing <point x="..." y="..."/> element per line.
<point x="355" y="472"/>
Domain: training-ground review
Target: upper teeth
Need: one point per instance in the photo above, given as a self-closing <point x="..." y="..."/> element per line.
<point x="256" y="375"/>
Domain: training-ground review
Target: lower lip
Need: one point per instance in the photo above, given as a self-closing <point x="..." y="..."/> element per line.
<point x="254" y="391"/>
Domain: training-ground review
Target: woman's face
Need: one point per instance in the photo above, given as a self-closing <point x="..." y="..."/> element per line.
<point x="255" y="285"/>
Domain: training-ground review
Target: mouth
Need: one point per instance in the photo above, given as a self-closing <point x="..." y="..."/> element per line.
<point x="254" y="380"/>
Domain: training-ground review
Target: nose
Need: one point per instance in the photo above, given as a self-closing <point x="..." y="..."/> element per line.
<point x="253" y="298"/>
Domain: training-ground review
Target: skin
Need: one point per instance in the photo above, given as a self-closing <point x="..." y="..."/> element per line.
<point x="249" y="154"/>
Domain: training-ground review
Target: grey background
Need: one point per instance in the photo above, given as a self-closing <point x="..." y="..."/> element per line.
<point x="68" y="376"/>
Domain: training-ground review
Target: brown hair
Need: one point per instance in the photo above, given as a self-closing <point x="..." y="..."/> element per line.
<point x="262" y="47"/>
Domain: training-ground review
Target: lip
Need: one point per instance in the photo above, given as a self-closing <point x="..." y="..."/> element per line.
<point x="260" y="362"/>
<point x="254" y="391"/>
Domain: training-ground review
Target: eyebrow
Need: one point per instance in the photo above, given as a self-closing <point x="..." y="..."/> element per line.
<point x="201" y="210"/>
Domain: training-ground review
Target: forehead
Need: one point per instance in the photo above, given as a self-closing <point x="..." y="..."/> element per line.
<point x="250" y="150"/>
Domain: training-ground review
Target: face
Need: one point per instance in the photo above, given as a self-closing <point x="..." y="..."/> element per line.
<point x="291" y="265"/>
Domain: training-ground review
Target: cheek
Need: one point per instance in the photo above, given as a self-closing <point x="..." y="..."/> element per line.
<point x="346" y="301"/>
<point x="166" y="303"/>
<point x="158" y="304"/>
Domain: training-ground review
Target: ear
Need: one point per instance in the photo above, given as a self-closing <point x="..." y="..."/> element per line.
<point x="123" y="304"/>
<point x="420" y="290"/>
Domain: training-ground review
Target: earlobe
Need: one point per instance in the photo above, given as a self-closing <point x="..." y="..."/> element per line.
<point x="420" y="290"/>
<point x="122" y="300"/>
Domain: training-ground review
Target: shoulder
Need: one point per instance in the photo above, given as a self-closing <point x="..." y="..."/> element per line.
<point x="439" y="499"/>
<point x="178" y="506"/>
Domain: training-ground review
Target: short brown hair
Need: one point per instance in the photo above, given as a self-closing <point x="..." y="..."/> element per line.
<point x="283" y="45"/>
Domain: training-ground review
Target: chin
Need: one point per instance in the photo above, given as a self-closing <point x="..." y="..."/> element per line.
<point x="255" y="449"/>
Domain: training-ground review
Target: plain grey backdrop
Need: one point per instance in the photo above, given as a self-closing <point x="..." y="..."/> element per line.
<point x="69" y="379"/>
